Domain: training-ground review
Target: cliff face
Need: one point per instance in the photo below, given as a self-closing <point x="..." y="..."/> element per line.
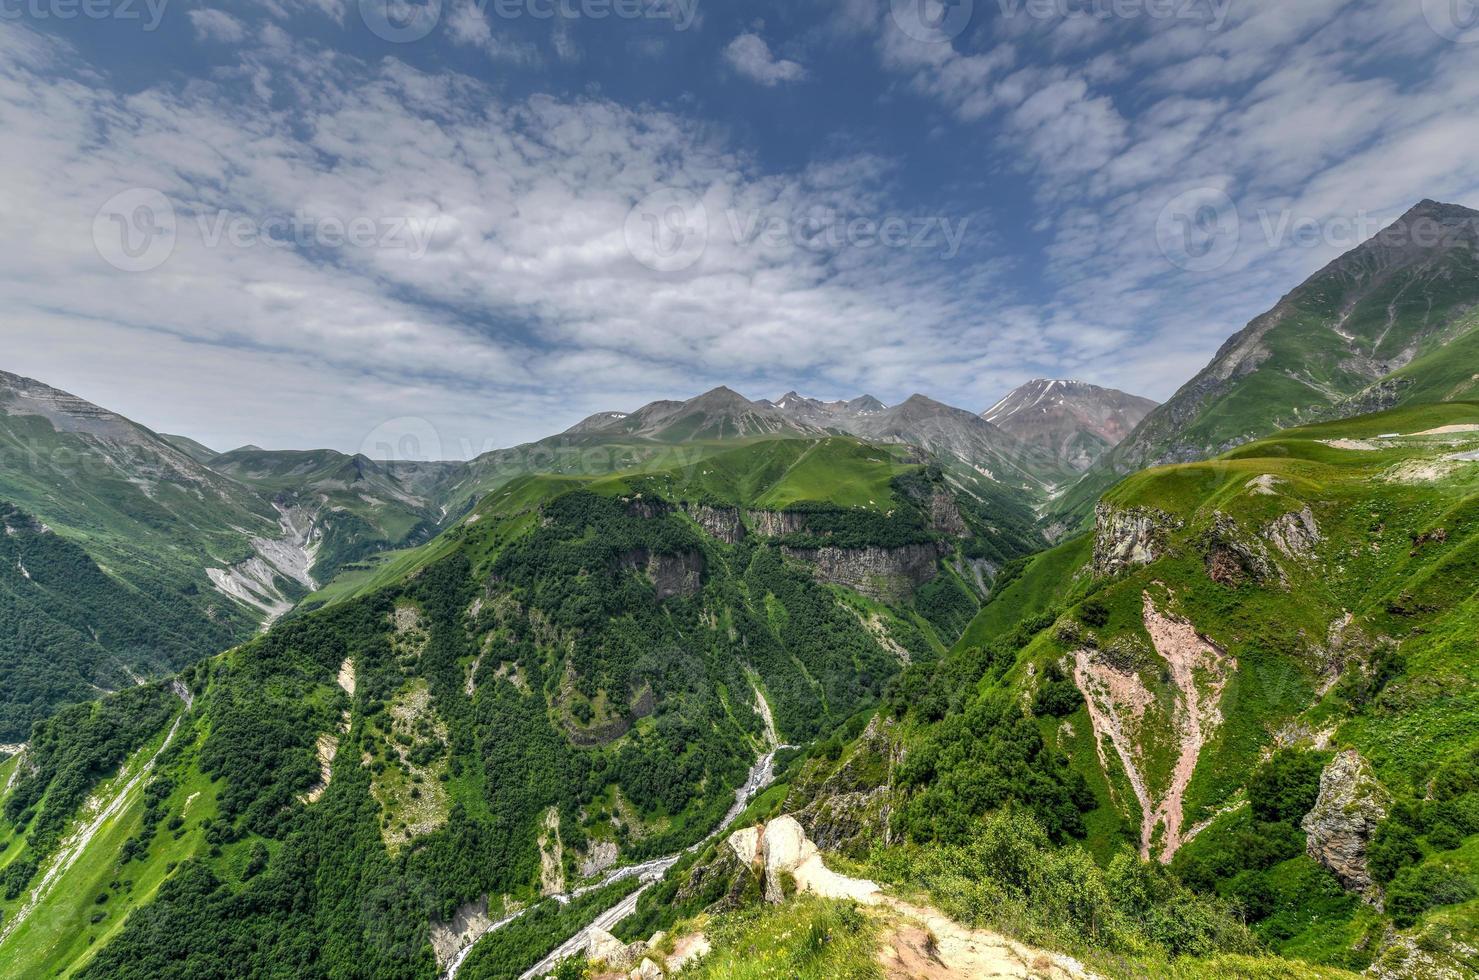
<point x="670" y="575"/>
<point x="885" y="574"/>
<point x="721" y="523"/>
<point x="1125" y="538"/>
<point x="776" y="523"/>
<point x="848" y="810"/>
<point x="1351" y="803"/>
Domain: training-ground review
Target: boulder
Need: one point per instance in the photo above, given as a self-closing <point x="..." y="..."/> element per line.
<point x="1338" y="830"/>
<point x="606" y="948"/>
<point x="648" y="970"/>
<point x="746" y="845"/>
<point x="786" y="849"/>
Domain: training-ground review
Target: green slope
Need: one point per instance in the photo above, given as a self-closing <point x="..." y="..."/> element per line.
<point x="1356" y="634"/>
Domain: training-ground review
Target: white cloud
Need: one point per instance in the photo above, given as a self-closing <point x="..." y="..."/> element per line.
<point x="749" y="55"/>
<point x="217" y="25"/>
<point x="528" y="307"/>
<point x="467" y="25"/>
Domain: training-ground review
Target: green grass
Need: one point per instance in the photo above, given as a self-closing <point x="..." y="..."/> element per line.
<point x="1045" y="582"/>
<point x="59" y="935"/>
<point x="804" y="939"/>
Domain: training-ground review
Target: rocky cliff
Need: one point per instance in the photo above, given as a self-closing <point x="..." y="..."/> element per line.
<point x="1351" y="803"/>
<point x="1127" y="537"/>
<point x="885" y="574"/>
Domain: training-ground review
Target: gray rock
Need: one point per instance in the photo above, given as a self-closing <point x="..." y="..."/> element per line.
<point x="1129" y="537"/>
<point x="1351" y="803"/>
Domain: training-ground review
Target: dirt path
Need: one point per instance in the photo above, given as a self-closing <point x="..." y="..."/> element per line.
<point x="924" y="944"/>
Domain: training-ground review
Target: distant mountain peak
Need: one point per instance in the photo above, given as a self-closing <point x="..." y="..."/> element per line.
<point x="1075" y="421"/>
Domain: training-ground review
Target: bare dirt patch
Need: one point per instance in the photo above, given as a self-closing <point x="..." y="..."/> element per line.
<point x="1122" y="709"/>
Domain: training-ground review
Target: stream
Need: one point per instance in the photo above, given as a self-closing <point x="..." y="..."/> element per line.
<point x="761" y="775"/>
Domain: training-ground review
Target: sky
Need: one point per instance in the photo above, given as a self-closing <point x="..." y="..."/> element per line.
<point x="439" y="227"/>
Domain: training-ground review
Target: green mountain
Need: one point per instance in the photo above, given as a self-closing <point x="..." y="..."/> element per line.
<point x="576" y="677"/>
<point x="1387" y="324"/>
<point x="1257" y="672"/>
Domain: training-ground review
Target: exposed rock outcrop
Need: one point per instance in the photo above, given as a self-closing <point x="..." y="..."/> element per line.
<point x="848" y="810"/>
<point x="786" y="850"/>
<point x="776" y="523"/>
<point x="885" y="574"/>
<point x="1295" y="534"/>
<point x="670" y="575"/>
<point x="1126" y="538"/>
<point x="1338" y="830"/>
<point x="945" y="516"/>
<point x="721" y="523"/>
<point x="1233" y="557"/>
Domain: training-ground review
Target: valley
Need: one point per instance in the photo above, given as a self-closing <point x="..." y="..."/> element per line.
<point x="495" y="718"/>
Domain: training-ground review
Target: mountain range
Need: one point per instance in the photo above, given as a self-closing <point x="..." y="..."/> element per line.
<point x="621" y="694"/>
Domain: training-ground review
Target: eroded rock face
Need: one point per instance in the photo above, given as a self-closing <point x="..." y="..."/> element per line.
<point x="1139" y="726"/>
<point x="1295" y="535"/>
<point x="670" y="575"/>
<point x="885" y="574"/>
<point x="849" y="810"/>
<point x="945" y="516"/>
<point x="776" y="523"/>
<point x="721" y="523"/>
<point x="675" y="575"/>
<point x="1352" y="802"/>
<point x="1126" y="538"/>
<point x="1233" y="557"/>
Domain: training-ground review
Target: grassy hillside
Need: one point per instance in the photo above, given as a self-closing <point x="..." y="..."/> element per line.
<point x="1315" y="594"/>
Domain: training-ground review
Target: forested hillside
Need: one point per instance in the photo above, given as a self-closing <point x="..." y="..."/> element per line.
<point x="578" y="675"/>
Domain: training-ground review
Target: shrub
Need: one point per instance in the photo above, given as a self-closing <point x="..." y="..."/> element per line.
<point x="1393" y="847"/>
<point x="1286" y="787"/>
<point x="1416" y="890"/>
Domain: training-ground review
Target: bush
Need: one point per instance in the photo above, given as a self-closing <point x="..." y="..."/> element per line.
<point x="1058" y="697"/>
<point x="1010" y="875"/>
<point x="1286" y="787"/>
<point x="1416" y="890"/>
<point x="1393" y="847"/>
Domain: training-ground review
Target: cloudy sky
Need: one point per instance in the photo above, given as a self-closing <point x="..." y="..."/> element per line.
<point x="327" y="222"/>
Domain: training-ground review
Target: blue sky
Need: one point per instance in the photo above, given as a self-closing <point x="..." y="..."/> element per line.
<point x="315" y="222"/>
